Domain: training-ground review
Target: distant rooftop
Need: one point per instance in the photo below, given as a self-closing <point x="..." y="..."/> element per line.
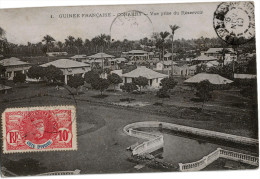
<point x="167" y="55"/>
<point x="79" y="56"/>
<point x="218" y="50"/>
<point x="138" y="51"/>
<point x="205" y="58"/>
<point x="13" y="61"/>
<point x="65" y="63"/>
<point x="101" y="55"/>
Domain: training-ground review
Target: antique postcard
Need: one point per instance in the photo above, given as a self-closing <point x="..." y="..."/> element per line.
<point x="128" y="89"/>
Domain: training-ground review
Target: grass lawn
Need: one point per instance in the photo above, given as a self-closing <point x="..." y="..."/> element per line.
<point x="227" y="112"/>
<point x="101" y="141"/>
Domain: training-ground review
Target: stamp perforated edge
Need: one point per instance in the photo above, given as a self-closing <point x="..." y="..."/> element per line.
<point x="65" y="107"/>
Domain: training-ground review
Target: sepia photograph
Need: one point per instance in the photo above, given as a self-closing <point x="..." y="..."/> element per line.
<point x="137" y="88"/>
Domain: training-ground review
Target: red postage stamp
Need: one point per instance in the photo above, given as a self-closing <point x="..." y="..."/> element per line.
<point x="39" y="129"/>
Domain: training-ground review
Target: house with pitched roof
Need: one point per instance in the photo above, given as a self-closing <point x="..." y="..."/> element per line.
<point x="214" y="79"/>
<point x="102" y="60"/>
<point x="154" y="78"/>
<point x="69" y="67"/>
<point x="168" y="56"/>
<point x="79" y="58"/>
<point x="13" y="66"/>
<point x="138" y="55"/>
<point x="230" y="54"/>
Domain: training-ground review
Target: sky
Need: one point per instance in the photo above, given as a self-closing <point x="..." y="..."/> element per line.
<point x="32" y="24"/>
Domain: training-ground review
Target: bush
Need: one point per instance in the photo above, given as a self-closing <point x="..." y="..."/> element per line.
<point x="163" y="93"/>
<point x="19" y="78"/>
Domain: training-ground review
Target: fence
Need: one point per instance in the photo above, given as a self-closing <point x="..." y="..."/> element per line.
<point x="205" y="161"/>
<point x="154" y="142"/>
<point x="76" y="172"/>
<point x="194" y="131"/>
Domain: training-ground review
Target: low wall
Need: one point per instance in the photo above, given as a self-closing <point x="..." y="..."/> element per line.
<point x="192" y="130"/>
<point x="76" y="172"/>
<point x="219" y="153"/>
<point x="154" y="142"/>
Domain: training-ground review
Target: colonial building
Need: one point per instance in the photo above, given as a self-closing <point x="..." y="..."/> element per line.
<point x="230" y="54"/>
<point x="183" y="70"/>
<point x="212" y="78"/>
<point x="55" y="54"/>
<point x="79" y="58"/>
<point x="13" y="66"/>
<point x="168" y="56"/>
<point x="165" y="65"/>
<point x="69" y="67"/>
<point x="101" y="60"/>
<point x="204" y="59"/>
<point x="153" y="76"/>
<point x="136" y="55"/>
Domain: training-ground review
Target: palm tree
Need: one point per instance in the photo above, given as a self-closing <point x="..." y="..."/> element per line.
<point x="70" y="43"/>
<point x="173" y="28"/>
<point x="223" y="52"/>
<point x="60" y="45"/>
<point x="78" y="43"/>
<point x="164" y="35"/>
<point x="48" y="40"/>
<point x="101" y="42"/>
<point x="2" y="34"/>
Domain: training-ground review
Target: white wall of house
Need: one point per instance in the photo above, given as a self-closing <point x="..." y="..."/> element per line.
<point x="74" y="71"/>
<point x="159" y="66"/>
<point x="155" y="83"/>
<point x="12" y="70"/>
<point x="230" y="58"/>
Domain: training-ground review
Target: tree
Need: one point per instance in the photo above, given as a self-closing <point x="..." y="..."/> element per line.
<point x="91" y="76"/>
<point x="2" y="70"/>
<point x="173" y="28"/>
<point x="129" y="87"/>
<point x="168" y="83"/>
<point x="163" y="35"/>
<point x="223" y="52"/>
<point x="114" y="79"/>
<point x="100" y="84"/>
<point x="75" y="82"/>
<point x="163" y="93"/>
<point x="36" y="72"/>
<point x="19" y="78"/>
<point x="141" y="82"/>
<point x="52" y="73"/>
<point x="203" y="91"/>
<point x="48" y="40"/>
<point x="2" y="32"/>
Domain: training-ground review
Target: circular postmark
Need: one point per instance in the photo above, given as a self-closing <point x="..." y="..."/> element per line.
<point x="234" y="22"/>
<point x="131" y="25"/>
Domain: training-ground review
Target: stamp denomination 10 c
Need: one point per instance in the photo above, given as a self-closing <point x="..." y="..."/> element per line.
<point x="39" y="129"/>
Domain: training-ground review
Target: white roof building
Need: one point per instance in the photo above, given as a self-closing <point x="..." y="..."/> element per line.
<point x="153" y="76"/>
<point x="100" y="56"/>
<point x="14" y="65"/>
<point x="205" y="58"/>
<point x="212" y="78"/>
<point x="69" y="67"/>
